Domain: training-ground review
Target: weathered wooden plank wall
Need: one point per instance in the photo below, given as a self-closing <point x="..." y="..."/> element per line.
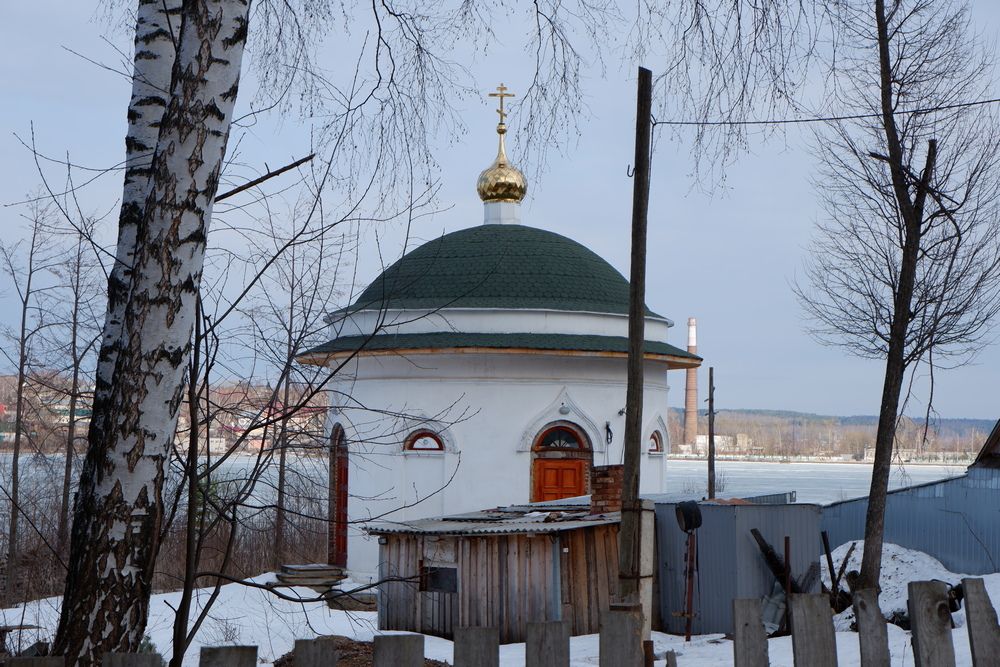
<point x="592" y="575"/>
<point x="505" y="581"/>
<point x="439" y="613"/>
<point x="399" y="600"/>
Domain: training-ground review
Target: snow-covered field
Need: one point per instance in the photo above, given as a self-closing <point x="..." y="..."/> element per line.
<point x="245" y="615"/>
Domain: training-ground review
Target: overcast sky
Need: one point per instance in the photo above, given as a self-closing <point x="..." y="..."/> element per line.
<point x="726" y="258"/>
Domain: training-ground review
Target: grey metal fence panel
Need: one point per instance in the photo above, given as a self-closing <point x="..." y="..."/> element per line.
<point x="956" y="521"/>
<point x="729" y="563"/>
<point x="801" y="523"/>
<point x="670" y="550"/>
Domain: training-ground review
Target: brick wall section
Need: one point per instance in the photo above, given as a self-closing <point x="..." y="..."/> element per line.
<point x="606" y="489"/>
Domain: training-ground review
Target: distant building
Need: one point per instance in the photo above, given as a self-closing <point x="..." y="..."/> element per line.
<point x="242" y="410"/>
<point x="723" y="443"/>
<point x="740" y="443"/>
<point x="909" y="455"/>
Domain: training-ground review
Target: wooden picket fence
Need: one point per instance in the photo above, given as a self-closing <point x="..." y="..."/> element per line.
<point x="814" y="642"/>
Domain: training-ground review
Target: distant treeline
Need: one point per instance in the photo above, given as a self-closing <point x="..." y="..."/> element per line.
<point x="959" y="425"/>
<point x="787" y="433"/>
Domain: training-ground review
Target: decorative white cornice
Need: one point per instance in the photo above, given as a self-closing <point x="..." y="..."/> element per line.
<point x="493" y="320"/>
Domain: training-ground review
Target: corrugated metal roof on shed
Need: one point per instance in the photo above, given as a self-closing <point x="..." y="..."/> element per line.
<point x="535" y="522"/>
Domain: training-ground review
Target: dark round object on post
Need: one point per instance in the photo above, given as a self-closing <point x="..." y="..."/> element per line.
<point x="688" y="515"/>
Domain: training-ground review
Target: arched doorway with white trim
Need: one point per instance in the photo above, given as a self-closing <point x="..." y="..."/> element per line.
<point x="337" y="498"/>
<point x="561" y="458"/>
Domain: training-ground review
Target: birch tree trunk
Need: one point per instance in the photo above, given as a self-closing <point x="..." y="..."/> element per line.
<point x="156" y="28"/>
<point x="119" y="509"/>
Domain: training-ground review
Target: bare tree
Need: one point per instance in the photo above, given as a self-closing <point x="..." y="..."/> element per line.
<point x="282" y="329"/>
<point x="72" y="312"/>
<point x="905" y="268"/>
<point x="25" y="264"/>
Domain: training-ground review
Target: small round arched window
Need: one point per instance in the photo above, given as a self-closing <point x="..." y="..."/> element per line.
<point x="655" y="443"/>
<point x="424" y="441"/>
<point x="561" y="438"/>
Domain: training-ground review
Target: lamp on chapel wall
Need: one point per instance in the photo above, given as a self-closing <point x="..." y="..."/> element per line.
<point x="564" y="409"/>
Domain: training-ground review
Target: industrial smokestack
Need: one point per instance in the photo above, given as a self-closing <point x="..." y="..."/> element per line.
<point x="691" y="389"/>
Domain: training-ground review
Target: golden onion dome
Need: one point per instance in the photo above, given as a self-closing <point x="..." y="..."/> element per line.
<point x="502" y="181"/>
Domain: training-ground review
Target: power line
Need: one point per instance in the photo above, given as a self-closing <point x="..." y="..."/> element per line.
<point x="819" y="119"/>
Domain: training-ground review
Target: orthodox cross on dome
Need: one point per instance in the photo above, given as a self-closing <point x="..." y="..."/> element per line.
<point x="502" y="93"/>
<point x="501" y="181"/>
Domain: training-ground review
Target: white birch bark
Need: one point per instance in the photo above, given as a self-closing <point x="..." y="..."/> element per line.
<point x="156" y="28"/>
<point x="119" y="506"/>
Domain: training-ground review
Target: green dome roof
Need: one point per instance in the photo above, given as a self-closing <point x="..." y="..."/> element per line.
<point x="500" y="266"/>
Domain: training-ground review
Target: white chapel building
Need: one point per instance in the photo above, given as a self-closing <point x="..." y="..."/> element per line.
<point x="488" y="369"/>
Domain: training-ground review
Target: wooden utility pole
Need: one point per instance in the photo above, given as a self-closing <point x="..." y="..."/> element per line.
<point x="629" y="537"/>
<point x="711" y="432"/>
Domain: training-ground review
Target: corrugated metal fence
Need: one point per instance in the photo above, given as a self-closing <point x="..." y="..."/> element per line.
<point x="730" y="564"/>
<point x="955" y="520"/>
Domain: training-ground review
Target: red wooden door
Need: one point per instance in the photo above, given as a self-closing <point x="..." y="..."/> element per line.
<point x="559" y="478"/>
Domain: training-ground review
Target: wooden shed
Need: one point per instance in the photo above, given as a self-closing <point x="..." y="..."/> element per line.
<point x="501" y="568"/>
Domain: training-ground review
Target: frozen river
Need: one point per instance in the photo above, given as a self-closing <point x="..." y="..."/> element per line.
<point x="812" y="482"/>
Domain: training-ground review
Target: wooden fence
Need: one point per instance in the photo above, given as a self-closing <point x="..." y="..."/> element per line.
<point x="814" y="642"/>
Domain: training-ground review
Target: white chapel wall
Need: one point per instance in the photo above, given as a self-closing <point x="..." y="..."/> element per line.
<point x="483" y="403"/>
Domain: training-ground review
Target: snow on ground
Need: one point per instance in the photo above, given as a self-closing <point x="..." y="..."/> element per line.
<point x="244" y="615"/>
<point x="240" y="615"/>
<point x="899" y="567"/>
